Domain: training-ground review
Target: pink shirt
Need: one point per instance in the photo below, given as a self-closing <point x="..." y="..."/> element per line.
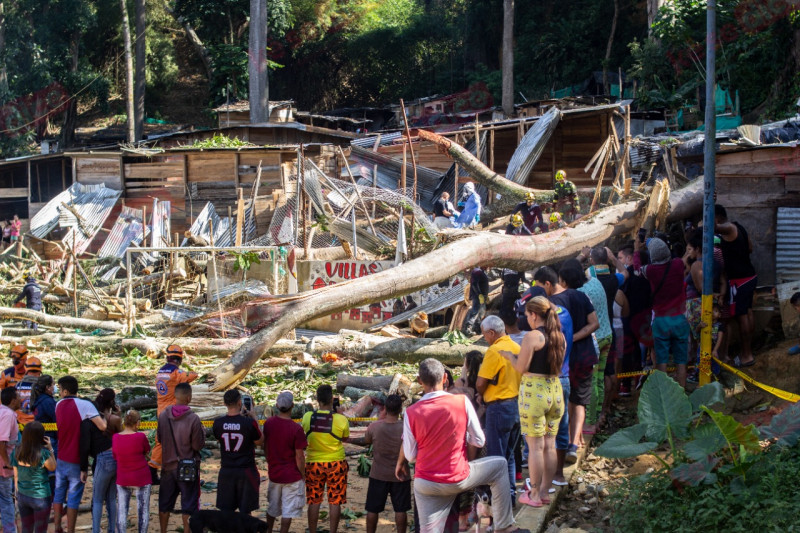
<point x="130" y="452"/>
<point x="9" y="432"/>
<point x="15" y="226"/>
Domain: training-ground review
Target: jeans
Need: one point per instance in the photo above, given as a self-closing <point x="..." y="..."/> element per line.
<point x="69" y="488"/>
<point x="7" y="511"/>
<point x="33" y="513"/>
<point x="472" y="323"/>
<point x="502" y="433"/>
<point x="104" y="490"/>
<point x="142" y="507"/>
<point x="562" y="438"/>
<point x="435" y="499"/>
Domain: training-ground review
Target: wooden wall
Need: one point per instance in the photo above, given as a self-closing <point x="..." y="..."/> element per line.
<point x="94" y="169"/>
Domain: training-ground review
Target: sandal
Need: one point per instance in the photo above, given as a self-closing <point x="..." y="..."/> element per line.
<point x="737" y="362"/>
<point x="527" y="500"/>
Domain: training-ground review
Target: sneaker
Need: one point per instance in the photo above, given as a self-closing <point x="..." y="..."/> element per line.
<point x="572" y="455"/>
<point x="624" y="389"/>
<point x="519" y="476"/>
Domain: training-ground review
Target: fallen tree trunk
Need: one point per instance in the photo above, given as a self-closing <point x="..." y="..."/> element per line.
<point x="486" y="249"/>
<point x="59" y="321"/>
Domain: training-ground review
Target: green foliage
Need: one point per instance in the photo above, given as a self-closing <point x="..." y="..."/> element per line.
<point x="456" y="337"/>
<point x="664" y="408"/>
<point x="244" y="260"/>
<point x="365" y="463"/>
<point x="221" y="140"/>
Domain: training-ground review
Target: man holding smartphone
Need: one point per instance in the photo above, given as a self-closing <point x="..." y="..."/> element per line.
<point x="238" y="435"/>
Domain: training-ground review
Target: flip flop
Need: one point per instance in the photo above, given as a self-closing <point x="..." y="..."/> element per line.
<point x="545" y="501"/>
<point x="560" y="483"/>
<point x="526" y="499"/>
<point x="737" y="362"/>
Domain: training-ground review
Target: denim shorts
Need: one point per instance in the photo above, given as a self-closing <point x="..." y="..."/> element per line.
<point x="69" y="488"/>
<point x="671" y="337"/>
<point x="562" y="438"/>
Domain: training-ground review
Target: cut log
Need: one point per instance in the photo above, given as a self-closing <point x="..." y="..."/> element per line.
<point x="363" y="382"/>
<point x="487" y="249"/>
<point x="59" y="321"/>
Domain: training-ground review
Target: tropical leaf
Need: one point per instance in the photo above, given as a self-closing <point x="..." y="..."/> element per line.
<point x="707" y="441"/>
<point x="708" y="395"/>
<point x="735" y="433"/>
<point x="663" y="406"/>
<point x="696" y="473"/>
<point x="785" y="426"/>
<point x="625" y="443"/>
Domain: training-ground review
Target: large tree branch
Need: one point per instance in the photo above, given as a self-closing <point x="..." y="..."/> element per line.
<point x="481" y="248"/>
<point x="59" y="321"/>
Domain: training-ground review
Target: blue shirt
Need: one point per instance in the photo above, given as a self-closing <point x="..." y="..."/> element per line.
<point x="566" y="329"/>
<point x="472" y="210"/>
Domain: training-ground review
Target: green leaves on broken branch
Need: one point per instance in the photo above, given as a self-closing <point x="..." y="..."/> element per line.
<point x="704" y="446"/>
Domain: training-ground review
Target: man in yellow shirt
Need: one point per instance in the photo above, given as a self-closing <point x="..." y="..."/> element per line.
<point x="325" y="462"/>
<point x="498" y="382"/>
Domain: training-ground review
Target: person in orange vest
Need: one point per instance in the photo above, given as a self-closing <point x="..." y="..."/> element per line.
<point x="33" y="369"/>
<point x="12" y="374"/>
<point x="167" y="378"/>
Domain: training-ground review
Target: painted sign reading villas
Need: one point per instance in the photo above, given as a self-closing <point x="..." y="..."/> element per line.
<point x="317" y="274"/>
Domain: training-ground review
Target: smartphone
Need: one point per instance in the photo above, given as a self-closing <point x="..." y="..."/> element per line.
<point x="642" y="234"/>
<point x="247" y="402"/>
<point x="336" y="404"/>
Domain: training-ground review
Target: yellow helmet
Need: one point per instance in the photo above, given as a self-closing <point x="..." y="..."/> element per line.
<point x="530" y="197"/>
<point x="516" y="220"/>
<point x="561" y="175"/>
<point x="555" y="217"/>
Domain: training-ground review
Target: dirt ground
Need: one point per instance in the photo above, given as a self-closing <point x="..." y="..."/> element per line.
<point x="356" y="495"/>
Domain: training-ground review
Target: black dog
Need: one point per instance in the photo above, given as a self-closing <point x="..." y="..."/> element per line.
<point x="225" y="522"/>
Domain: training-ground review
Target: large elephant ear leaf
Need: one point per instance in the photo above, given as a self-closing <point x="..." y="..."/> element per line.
<point x="734" y="432"/>
<point x="663" y="406"/>
<point x="626" y="443"/>
<point x="785" y="426"/>
<point x="695" y="473"/>
<point x="708" y="395"/>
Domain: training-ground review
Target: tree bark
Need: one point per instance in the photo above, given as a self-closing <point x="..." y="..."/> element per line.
<point x="3" y="69"/>
<point x="139" y="75"/>
<point x="257" y="63"/>
<point x="486" y="249"/>
<point x="607" y="59"/>
<point x="59" y="321"/>
<point x="508" y="58"/>
<point x="652" y="12"/>
<point x="194" y="40"/>
<point x="71" y="110"/>
<point x="129" y="97"/>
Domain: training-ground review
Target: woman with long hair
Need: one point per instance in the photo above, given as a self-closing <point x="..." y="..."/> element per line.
<point x="541" y="401"/>
<point x="130" y="450"/>
<point x="33" y="460"/>
<point x="97" y="444"/>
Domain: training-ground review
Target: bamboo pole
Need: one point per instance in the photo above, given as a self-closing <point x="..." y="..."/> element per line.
<point x="403" y="168"/>
<point x="216" y="281"/>
<point x="414" y="163"/>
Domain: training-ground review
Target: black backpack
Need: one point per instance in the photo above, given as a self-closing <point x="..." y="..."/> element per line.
<point x="322" y="423"/>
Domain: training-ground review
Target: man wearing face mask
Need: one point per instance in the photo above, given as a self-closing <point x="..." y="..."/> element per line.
<point x="13" y="374"/>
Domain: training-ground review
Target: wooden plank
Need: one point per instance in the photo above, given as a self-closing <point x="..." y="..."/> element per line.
<point x="14" y="192"/>
<point x="239" y="217"/>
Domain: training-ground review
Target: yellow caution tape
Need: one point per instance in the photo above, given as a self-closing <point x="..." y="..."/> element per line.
<point x="670" y="368"/>
<point x="152" y="424"/>
<point x="782" y="394"/>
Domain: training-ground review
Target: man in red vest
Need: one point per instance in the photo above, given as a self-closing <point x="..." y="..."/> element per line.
<point x="438" y="431"/>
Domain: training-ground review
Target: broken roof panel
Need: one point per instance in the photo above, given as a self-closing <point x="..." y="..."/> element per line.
<point x="78" y="197"/>
<point x="208" y="219"/>
<point x="126" y="230"/>
<point x="532" y="145"/>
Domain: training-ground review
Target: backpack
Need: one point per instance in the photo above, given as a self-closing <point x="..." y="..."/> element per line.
<point x="321" y="423"/>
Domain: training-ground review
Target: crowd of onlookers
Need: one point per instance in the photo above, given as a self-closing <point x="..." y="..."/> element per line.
<point x="548" y="377"/>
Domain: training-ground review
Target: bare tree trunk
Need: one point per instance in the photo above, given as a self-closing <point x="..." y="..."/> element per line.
<point x="652" y="11"/>
<point x="257" y="64"/>
<point x="195" y="41"/>
<point x="508" y="57"/>
<point x="139" y="75"/>
<point x="607" y="59"/>
<point x="484" y="248"/>
<point x="3" y="69"/>
<point x="129" y="97"/>
<point x="59" y="321"/>
<point x="71" y="112"/>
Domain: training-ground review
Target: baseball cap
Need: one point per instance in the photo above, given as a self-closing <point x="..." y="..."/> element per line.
<point x="285" y="401"/>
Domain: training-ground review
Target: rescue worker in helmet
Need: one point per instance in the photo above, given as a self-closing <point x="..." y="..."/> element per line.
<point x="565" y="195"/>
<point x="33" y="369"/>
<point x="168" y="377"/>
<point x="12" y="374"/>
<point x="517" y="226"/>
<point x="531" y="212"/>
<point x="556" y="221"/>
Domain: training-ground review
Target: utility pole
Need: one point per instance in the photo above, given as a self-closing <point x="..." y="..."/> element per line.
<point x="709" y="170"/>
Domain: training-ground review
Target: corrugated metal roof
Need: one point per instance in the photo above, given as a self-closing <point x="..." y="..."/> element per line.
<point x="452" y="296"/>
<point x="207" y="219"/>
<point x="178" y="312"/>
<point x="369" y="142"/>
<point x="92" y="204"/>
<point x="160" y="225"/>
<point x="253" y="287"/>
<point x="787" y="245"/>
<point x="46" y="220"/>
<point x="531" y="147"/>
<point x="126" y="230"/>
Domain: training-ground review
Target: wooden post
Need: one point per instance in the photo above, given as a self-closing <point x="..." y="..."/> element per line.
<point x="63" y="174"/>
<point x="625" y="166"/>
<point x="230" y="224"/>
<point x="455" y="186"/>
<point x="216" y="279"/>
<point x="122" y="175"/>
<point x="491" y="149"/>
<point x="403" y="168"/>
<point x="144" y="225"/>
<point x="129" y="290"/>
<point x="74" y="274"/>
<point x="520" y="132"/>
<point x="621" y="91"/>
<point x="477" y="137"/>
<point x="414" y="163"/>
<point x="239" y="217"/>
<point x="306" y="219"/>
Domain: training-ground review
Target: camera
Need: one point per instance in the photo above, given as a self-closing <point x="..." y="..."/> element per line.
<point x="247" y="402"/>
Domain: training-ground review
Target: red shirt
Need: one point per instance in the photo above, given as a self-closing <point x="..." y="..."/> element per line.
<point x="130" y="452"/>
<point x="666" y="286"/>
<point x="439" y="425"/>
<point x="70" y="412"/>
<point x="282" y="437"/>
